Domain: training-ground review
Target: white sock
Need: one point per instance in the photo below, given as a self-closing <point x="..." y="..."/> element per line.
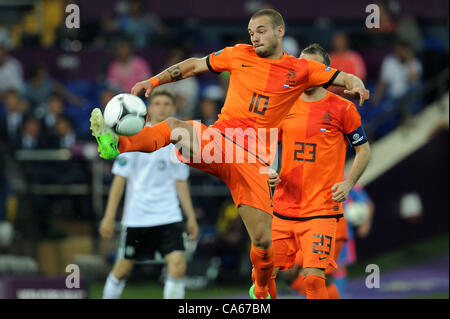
<point x="113" y="287"/>
<point x="174" y="288"/>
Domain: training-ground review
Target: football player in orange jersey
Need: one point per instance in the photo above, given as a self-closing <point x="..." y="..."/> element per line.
<point x="310" y="189"/>
<point x="264" y="84"/>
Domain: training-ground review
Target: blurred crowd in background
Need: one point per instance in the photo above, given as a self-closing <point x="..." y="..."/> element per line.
<point x="51" y="77"/>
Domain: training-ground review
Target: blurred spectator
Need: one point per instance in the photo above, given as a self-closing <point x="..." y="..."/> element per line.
<point x="11" y="75"/>
<point x="15" y="112"/>
<point x="400" y="72"/>
<point x="108" y="31"/>
<point x="344" y="59"/>
<point x="31" y="134"/>
<point x="186" y="91"/>
<point x="127" y="69"/>
<point x="208" y="111"/>
<point x="54" y="108"/>
<point x="65" y="133"/>
<point x="41" y="86"/>
<point x="140" y="25"/>
<point x="410" y="32"/>
<point x="105" y="96"/>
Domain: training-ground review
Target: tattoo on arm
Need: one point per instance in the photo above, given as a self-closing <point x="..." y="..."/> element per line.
<point x="175" y="73"/>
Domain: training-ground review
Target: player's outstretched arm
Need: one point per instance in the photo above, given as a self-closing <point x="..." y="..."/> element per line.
<point x="179" y="71"/>
<point x="340" y="190"/>
<point x="106" y="228"/>
<point x="184" y="196"/>
<point x="354" y="87"/>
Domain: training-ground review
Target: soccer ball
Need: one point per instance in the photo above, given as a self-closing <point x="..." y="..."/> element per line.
<point x="125" y="114"/>
<point x="356" y="213"/>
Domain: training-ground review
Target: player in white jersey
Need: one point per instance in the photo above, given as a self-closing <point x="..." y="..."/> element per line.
<point x="156" y="185"/>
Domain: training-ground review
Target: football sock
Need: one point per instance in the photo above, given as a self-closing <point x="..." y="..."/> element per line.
<point x="150" y="139"/>
<point x="272" y="285"/>
<point x="113" y="287"/>
<point x="333" y="292"/>
<point x="273" y="288"/>
<point x="174" y="288"/>
<point x="299" y="285"/>
<point x="262" y="260"/>
<point x="315" y="287"/>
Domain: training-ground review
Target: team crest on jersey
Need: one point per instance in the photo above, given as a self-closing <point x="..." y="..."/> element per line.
<point x="122" y="161"/>
<point x="327" y="117"/>
<point x="290" y="79"/>
<point x="327" y="68"/>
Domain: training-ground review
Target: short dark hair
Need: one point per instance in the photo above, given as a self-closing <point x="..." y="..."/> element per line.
<point x="275" y="16"/>
<point x="315" y="48"/>
<point x="162" y="92"/>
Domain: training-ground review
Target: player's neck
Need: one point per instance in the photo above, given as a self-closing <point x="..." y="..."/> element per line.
<point x="278" y="54"/>
<point x="314" y="95"/>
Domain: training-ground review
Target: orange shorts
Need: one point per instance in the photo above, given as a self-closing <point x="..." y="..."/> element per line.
<point x="342" y="230"/>
<point x="247" y="180"/>
<point x="309" y="243"/>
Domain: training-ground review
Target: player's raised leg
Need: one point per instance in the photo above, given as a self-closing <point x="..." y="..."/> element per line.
<point x="259" y="228"/>
<point x="115" y="283"/>
<point x="150" y="139"/>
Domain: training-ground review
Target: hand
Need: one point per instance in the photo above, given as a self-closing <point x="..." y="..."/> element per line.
<point x="145" y="85"/>
<point x="364" y="230"/>
<point x="340" y="191"/>
<point x="360" y="93"/>
<point x="192" y="228"/>
<point x="106" y="228"/>
<point x="274" y="178"/>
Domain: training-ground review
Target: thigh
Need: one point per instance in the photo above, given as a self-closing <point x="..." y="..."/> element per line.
<point x="249" y="185"/>
<point x="209" y="155"/>
<point x="258" y="224"/>
<point x="284" y="245"/>
<point x="318" y="238"/>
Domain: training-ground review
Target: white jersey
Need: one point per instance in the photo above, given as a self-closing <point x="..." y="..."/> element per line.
<point x="151" y="198"/>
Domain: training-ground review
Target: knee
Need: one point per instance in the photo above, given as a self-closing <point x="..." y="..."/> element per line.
<point x="262" y="238"/>
<point x="263" y="241"/>
<point x="121" y="271"/>
<point x="314" y="271"/>
<point x="177" y="267"/>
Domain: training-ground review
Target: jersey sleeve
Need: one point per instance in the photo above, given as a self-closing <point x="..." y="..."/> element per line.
<point x="352" y="126"/>
<point x="220" y="61"/>
<point x="320" y="74"/>
<point x="123" y="165"/>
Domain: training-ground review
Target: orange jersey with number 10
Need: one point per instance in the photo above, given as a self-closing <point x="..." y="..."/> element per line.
<point x="262" y="91"/>
<point x="313" y="158"/>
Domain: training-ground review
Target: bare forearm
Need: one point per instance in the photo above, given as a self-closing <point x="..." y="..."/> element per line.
<point x="115" y="195"/>
<point x="352" y="81"/>
<point x="182" y="70"/>
<point x="184" y="196"/>
<point x="360" y="163"/>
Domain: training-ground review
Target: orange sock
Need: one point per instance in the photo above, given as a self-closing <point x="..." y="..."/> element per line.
<point x="272" y="288"/>
<point x="299" y="285"/>
<point x="315" y="287"/>
<point x="333" y="292"/>
<point x="150" y="139"/>
<point x="262" y="260"/>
